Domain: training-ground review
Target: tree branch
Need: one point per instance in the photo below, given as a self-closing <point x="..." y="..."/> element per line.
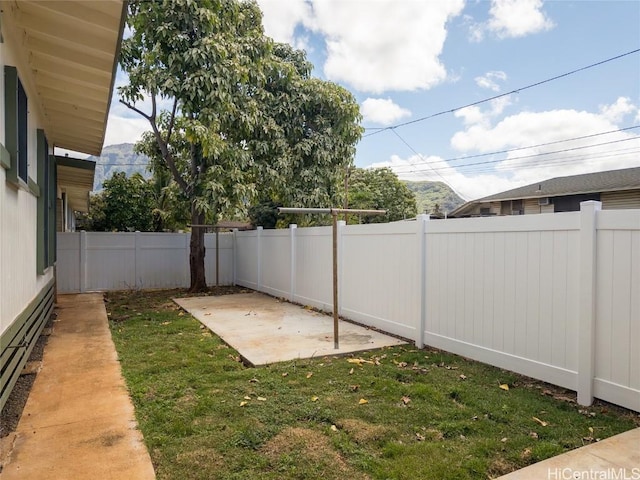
<point x="172" y="119"/>
<point x="128" y="105"/>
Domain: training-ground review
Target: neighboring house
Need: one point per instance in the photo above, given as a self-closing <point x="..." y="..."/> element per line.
<point x="616" y="189"/>
<point x="58" y="63"/>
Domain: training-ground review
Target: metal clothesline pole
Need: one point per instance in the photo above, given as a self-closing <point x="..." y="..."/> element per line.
<point x="334" y="214"/>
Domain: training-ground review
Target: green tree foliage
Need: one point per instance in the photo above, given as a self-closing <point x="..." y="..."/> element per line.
<point x="126" y="204"/>
<point x="243" y="111"/>
<point x="379" y="189"/>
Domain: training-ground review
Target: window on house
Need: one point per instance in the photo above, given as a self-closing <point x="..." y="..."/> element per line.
<point x="16" y="125"/>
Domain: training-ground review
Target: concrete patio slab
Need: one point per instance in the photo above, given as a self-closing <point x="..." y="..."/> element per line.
<point x="79" y="421"/>
<point x="614" y="457"/>
<point x="266" y="330"/>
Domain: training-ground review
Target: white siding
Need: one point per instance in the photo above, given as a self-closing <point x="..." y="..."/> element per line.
<point x="19" y="282"/>
<point x="620" y="200"/>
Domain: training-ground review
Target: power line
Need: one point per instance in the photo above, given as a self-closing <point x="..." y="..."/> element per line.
<point x="434" y="170"/>
<point x="533" y="155"/>
<point x="517" y="90"/>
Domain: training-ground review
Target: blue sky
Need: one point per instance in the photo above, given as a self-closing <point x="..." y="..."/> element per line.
<point x="407" y="59"/>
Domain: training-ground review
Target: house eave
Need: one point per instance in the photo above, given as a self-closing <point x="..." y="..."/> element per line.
<point x="71" y="51"/>
<point x="75" y="179"/>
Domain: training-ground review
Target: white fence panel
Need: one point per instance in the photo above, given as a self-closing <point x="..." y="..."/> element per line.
<point x="504" y="291"/>
<point x="110" y="261"/>
<point x="276" y="262"/>
<point x="162" y="260"/>
<point x="68" y="262"/>
<point x="246" y="259"/>
<point x="225" y="255"/>
<point x="97" y="261"/>
<point x="617" y="356"/>
<point x="314" y="268"/>
<point x="379" y="283"/>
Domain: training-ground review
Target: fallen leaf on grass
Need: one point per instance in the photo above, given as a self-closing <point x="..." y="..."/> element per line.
<point x="314" y="399"/>
<point x="526" y="453"/>
<point x="354" y="388"/>
<point x="285" y="374"/>
<point x="310" y="374"/>
<point x="541" y="422"/>
<point x="262" y="399"/>
<point x="420" y="437"/>
<point x="181" y="314"/>
<point x="247" y="397"/>
<point x="351" y="372"/>
<point x="242" y="404"/>
<point x="254" y="380"/>
<point x="165" y="323"/>
<point x="504" y="386"/>
<point x="533" y="435"/>
<point x="504" y="439"/>
<point x="363" y="401"/>
<point x="406" y="400"/>
<point x="463" y="377"/>
<point x="334" y="428"/>
<point x="358" y="361"/>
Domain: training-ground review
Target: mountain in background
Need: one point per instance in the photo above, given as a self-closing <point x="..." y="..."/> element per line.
<point x="118" y="158"/>
<point x="122" y="158"/>
<point x="428" y="194"/>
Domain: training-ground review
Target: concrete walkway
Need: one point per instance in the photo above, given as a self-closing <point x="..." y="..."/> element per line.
<point x="614" y="457"/>
<point x="79" y="422"/>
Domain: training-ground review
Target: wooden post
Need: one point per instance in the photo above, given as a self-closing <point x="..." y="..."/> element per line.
<point x="217" y="256"/>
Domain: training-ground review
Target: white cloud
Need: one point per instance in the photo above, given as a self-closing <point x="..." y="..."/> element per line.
<point x="512" y="19"/>
<point x="382" y="111"/>
<point x="489" y="80"/>
<point x="475" y="116"/>
<point x="486" y="175"/>
<point x="517" y="18"/>
<point x="618" y="110"/>
<point x="373" y="46"/>
<point x="526" y="129"/>
<point x="124" y="129"/>
<point x="281" y="17"/>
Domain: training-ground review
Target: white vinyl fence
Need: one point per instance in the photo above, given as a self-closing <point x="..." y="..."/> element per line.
<point x="96" y="261"/>
<point x="552" y="296"/>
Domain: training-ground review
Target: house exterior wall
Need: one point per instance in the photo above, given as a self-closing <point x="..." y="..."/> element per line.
<point x="26" y="295"/>
<point x="620" y="200"/>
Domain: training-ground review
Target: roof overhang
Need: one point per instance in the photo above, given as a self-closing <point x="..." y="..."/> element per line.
<point x="75" y="179"/>
<point x="72" y="50"/>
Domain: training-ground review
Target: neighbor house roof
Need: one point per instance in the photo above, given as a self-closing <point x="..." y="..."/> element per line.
<point x="71" y="48"/>
<point x="611" y="180"/>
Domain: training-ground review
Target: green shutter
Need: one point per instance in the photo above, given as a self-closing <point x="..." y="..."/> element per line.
<point x="51" y="198"/>
<point x="11" y="121"/>
<point x="41" y="258"/>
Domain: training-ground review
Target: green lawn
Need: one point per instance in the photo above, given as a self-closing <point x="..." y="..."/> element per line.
<point x="403" y="413"/>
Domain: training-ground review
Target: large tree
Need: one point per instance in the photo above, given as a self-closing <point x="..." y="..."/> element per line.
<point x="235" y="115"/>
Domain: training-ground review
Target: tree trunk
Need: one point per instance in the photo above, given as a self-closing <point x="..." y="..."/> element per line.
<point x="196" y="252"/>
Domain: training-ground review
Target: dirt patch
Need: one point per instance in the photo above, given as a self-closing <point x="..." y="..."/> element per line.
<point x="310" y="450"/>
<point x="202" y="458"/>
<point x="363" y="432"/>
